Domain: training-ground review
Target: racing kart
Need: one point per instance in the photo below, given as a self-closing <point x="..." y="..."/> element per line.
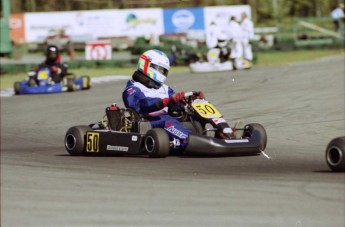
<point x="123" y="131"/>
<point x="42" y="82"/>
<point x="213" y="63"/>
<point x="335" y="154"/>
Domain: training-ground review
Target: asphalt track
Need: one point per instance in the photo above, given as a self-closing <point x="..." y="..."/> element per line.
<point x="300" y="105"/>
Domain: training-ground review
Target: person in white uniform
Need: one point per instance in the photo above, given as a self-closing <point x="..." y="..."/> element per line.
<point x="337" y="15"/>
<point x="235" y="36"/>
<point x="247" y="35"/>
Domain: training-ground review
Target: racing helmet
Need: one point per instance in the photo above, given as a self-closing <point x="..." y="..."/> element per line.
<point x="155" y="65"/>
<point x="52" y="53"/>
<point x="222" y="39"/>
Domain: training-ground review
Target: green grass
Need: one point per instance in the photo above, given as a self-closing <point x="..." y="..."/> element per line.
<point x="282" y="58"/>
<point x="264" y="59"/>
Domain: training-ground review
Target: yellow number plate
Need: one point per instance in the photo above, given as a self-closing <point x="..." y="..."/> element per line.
<point x="92" y="142"/>
<point x="206" y="110"/>
<point x="42" y="75"/>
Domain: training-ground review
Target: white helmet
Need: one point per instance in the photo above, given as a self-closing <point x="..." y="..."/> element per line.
<point x="155" y="65"/>
<point x="222" y="39"/>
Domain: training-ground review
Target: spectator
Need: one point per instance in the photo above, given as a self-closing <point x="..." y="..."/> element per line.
<point x="337" y="15"/>
<point x="247" y="35"/>
<point x="235" y="36"/>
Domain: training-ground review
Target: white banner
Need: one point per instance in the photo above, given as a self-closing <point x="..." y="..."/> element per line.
<point x="217" y="19"/>
<point x="93" y="24"/>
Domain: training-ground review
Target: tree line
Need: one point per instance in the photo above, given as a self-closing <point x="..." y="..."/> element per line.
<point x="262" y="10"/>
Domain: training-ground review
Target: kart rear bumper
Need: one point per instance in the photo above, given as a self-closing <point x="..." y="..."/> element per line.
<point x="209" y="146"/>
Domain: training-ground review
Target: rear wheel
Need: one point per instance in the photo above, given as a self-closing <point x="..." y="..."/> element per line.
<point x="75" y="140"/>
<point x="17" y="86"/>
<point x="335" y="154"/>
<point x="250" y="128"/>
<point x="157" y="143"/>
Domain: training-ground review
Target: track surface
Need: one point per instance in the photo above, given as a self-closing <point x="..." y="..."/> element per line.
<point x="300" y="105"/>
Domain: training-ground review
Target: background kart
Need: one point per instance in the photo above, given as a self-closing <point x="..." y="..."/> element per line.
<point x="335" y="154"/>
<point x="43" y="83"/>
<point x="213" y="63"/>
<point x="122" y="131"/>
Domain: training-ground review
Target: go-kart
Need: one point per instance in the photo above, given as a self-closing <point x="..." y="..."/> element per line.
<point x="335" y="154"/>
<point x="214" y="64"/>
<point x="42" y="82"/>
<point x="123" y="131"/>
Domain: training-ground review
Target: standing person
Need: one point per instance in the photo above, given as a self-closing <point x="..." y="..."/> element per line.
<point x="211" y="35"/>
<point x="150" y="97"/>
<point x="247" y="35"/>
<point x="337" y="15"/>
<point x="235" y="36"/>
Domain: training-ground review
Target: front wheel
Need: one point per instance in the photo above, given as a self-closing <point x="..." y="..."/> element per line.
<point x="75" y="140"/>
<point x="86" y="82"/>
<point x="71" y="84"/>
<point x="249" y="131"/>
<point x="17" y="85"/>
<point x="335" y="154"/>
<point x="157" y="143"/>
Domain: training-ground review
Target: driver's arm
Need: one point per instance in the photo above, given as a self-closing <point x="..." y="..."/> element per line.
<point x="134" y="98"/>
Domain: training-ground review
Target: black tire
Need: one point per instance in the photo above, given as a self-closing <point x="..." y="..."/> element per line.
<point x="335" y="154"/>
<point x="71" y="85"/>
<point x="17" y="85"/>
<point x="250" y="128"/>
<point x="86" y="82"/>
<point x="75" y="140"/>
<point x="194" y="127"/>
<point x="157" y="143"/>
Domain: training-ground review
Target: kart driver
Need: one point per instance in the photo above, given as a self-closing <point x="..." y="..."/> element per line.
<point x="53" y="61"/>
<point x="147" y="94"/>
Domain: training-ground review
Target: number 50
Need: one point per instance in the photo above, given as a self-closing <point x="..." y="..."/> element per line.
<point x="92" y="144"/>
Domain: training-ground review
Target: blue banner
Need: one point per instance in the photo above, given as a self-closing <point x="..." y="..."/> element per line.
<point x="182" y="20"/>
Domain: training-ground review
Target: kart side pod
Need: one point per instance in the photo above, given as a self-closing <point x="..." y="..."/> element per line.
<point x="253" y="142"/>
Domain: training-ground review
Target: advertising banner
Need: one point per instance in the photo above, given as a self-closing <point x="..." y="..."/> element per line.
<point x="217" y="20"/>
<point x="139" y="22"/>
<point x="220" y="15"/>
<point x="93" y="24"/>
<point x="17" y="26"/>
<point x="90" y="25"/>
<point x="182" y="20"/>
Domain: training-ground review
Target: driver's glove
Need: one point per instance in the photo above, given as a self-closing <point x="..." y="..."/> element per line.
<point x="200" y="96"/>
<point x="177" y="97"/>
<point x="56" y="70"/>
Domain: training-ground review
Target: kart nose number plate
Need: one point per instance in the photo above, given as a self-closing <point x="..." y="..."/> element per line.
<point x="206" y="110"/>
<point x="42" y="75"/>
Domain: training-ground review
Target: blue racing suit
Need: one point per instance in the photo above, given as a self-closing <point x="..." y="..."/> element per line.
<point x="147" y="102"/>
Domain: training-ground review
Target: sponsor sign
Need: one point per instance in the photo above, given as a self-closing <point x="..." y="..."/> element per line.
<point x="117" y="148"/>
<point x="182" y="20"/>
<point x="17" y="27"/>
<point x="237" y="141"/>
<point x="98" y="50"/>
<point x="217" y="18"/>
<point x="93" y="24"/>
<point x="171" y="128"/>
